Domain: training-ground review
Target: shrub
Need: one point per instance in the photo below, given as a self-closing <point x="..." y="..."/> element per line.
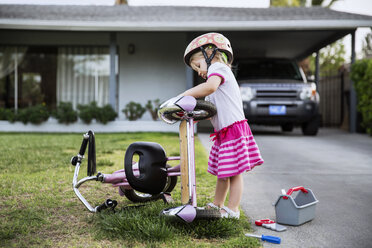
<point x="8" y="115"/>
<point x="65" y="113"/>
<point x="106" y="114"/>
<point x="152" y="107"/>
<point x="133" y="111"/>
<point x="361" y="74"/>
<point x="88" y="112"/>
<point x="35" y="114"/>
<point x="4" y="114"/>
<point x="91" y="111"/>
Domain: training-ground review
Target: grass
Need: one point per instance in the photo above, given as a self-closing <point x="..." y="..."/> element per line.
<point x="39" y="209"/>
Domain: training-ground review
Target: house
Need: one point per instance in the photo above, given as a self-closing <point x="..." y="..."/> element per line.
<point x="118" y="54"/>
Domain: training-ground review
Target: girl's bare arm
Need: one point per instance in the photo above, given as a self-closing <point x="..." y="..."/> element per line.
<point x="204" y="89"/>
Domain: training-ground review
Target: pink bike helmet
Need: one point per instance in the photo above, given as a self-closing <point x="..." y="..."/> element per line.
<point x="220" y="42"/>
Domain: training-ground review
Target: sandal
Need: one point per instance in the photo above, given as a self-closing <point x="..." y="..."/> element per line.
<point x="211" y="205"/>
<point x="230" y="214"/>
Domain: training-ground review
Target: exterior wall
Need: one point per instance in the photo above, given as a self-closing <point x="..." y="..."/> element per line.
<point x="155" y="70"/>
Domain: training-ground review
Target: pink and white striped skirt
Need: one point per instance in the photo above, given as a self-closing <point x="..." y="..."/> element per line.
<point x="234" y="151"/>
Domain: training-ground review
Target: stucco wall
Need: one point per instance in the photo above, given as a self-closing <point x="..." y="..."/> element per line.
<point x="155" y="70"/>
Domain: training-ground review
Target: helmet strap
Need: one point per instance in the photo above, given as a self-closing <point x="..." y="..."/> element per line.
<point x="208" y="60"/>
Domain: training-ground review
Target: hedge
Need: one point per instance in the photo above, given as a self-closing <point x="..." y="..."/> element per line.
<point x="361" y="74"/>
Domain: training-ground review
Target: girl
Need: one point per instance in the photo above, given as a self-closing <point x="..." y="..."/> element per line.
<point x="234" y="150"/>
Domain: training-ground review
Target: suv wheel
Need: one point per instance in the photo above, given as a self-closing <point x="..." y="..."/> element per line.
<point x="311" y="128"/>
<point x="288" y="127"/>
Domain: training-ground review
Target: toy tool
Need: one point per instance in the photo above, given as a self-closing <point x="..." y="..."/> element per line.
<point x="270" y="224"/>
<point x="271" y="239"/>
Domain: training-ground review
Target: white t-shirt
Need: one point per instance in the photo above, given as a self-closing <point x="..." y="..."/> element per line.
<point x="226" y="98"/>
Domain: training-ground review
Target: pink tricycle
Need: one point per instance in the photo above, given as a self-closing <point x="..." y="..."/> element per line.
<point x="150" y="178"/>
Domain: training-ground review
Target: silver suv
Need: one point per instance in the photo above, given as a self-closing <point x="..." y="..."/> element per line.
<point x="276" y="92"/>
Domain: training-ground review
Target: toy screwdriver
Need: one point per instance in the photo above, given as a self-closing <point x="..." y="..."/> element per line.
<point x="271" y="239"/>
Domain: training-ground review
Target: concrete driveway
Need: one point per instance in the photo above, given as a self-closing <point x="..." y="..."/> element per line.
<point x="335" y="165"/>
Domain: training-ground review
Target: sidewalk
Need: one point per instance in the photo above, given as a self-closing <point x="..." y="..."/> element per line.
<point x="336" y="165"/>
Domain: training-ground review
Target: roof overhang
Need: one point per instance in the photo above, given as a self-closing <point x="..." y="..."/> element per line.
<point x="272" y="32"/>
<point x="25" y="24"/>
<point x="292" y="44"/>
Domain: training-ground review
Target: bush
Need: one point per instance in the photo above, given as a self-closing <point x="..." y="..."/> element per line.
<point x="361" y="74"/>
<point x="35" y="114"/>
<point x="65" y="113"/>
<point x="91" y="111"/>
<point x="4" y="113"/>
<point x="106" y="114"/>
<point x="152" y="107"/>
<point x="88" y="112"/>
<point x="133" y="111"/>
<point x="7" y="115"/>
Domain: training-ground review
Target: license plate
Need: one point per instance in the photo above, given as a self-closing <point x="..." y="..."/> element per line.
<point x="277" y="110"/>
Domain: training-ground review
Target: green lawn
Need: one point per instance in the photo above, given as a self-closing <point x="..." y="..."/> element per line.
<point x="39" y="209"/>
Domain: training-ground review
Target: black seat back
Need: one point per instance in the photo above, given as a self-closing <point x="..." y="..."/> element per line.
<point x="152" y="167"/>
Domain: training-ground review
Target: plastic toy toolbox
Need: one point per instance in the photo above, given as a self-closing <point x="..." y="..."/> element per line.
<point x="295" y="209"/>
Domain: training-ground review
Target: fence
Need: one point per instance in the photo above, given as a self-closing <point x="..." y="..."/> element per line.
<point x="333" y="89"/>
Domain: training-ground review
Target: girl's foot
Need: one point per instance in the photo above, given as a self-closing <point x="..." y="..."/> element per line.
<point x="228" y="213"/>
<point x="211" y="205"/>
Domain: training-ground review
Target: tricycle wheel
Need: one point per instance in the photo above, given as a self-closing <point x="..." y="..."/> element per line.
<point x="202" y="214"/>
<point x="171" y="183"/>
<point x="136" y="196"/>
<point x="204" y="110"/>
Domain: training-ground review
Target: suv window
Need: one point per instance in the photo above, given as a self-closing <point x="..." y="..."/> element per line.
<point x="267" y="69"/>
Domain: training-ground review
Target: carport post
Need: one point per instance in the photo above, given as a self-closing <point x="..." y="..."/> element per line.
<point x="112" y="84"/>
<point x="317" y="69"/>
<point x="353" y="97"/>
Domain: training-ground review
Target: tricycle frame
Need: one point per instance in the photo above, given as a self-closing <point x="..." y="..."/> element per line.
<point x="179" y="108"/>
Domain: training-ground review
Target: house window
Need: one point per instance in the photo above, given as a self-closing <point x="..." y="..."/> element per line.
<point x="34" y="74"/>
<point x="83" y="75"/>
<point x="27" y="76"/>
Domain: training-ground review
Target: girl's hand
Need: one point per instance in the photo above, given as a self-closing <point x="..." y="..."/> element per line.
<point x="203" y="74"/>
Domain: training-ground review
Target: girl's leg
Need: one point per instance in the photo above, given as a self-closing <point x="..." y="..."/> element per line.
<point x="236" y="191"/>
<point x="222" y="187"/>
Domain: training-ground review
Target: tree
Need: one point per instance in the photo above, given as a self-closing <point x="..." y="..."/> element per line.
<point x="320" y="3"/>
<point x="118" y="2"/>
<point x="367" y="46"/>
<point x="300" y="3"/>
<point x="287" y="3"/>
<point x="331" y="58"/>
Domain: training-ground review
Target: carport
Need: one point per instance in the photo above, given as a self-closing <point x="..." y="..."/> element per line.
<point x="293" y="33"/>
